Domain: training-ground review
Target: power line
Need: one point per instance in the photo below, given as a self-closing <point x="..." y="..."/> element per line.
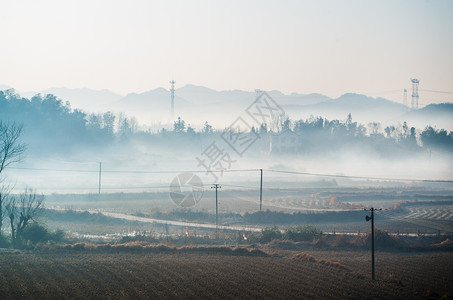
<point x="131" y="187"/>
<point x="240" y="186"/>
<point x="440" y="92"/>
<point x="100" y="172"/>
<point x="54" y="170"/>
<point x="134" y="171"/>
<point x="361" y="177"/>
<point x="401" y="90"/>
<point x="183" y="171"/>
<point x="106" y="188"/>
<point x="232" y="170"/>
<point x="71" y="162"/>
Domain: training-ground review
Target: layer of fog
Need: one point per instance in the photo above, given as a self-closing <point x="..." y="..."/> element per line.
<point x="139" y="167"/>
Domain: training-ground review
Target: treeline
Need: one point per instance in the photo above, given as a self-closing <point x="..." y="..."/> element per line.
<point x="51" y="125"/>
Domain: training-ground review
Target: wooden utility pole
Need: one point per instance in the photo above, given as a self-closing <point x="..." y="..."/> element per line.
<point x="216" y="186"/>
<point x="100" y="171"/>
<point x="261" y="191"/>
<point x="368" y="218"/>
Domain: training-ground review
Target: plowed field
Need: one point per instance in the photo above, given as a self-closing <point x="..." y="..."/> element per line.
<point x="108" y="275"/>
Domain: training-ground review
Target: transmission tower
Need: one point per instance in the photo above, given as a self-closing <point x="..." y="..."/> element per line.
<point x="415" y="83"/>
<point x="405" y="98"/>
<point x="172" y="91"/>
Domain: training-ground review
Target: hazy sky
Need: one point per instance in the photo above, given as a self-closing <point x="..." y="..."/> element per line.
<point x="329" y="47"/>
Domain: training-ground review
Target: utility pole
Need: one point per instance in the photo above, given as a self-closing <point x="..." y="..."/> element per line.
<point x="415" y="83"/>
<point x="405" y="98"/>
<point x="216" y="186"/>
<point x="166" y="232"/>
<point x="261" y="190"/>
<point x="368" y="218"/>
<point x="100" y="171"/>
<point x="172" y="93"/>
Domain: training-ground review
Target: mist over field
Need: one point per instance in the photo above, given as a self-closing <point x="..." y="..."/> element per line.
<point x="71" y="142"/>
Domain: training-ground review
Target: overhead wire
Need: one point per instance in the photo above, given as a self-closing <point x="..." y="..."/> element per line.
<point x="133" y="171"/>
<point x="107" y="188"/>
<point x="240" y="186"/>
<point x="433" y="91"/>
<point x="361" y="177"/>
<point x="233" y="170"/>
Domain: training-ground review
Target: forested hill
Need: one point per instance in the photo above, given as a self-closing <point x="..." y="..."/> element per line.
<point x="51" y="126"/>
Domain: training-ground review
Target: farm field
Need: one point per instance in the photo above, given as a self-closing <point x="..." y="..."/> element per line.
<point x="65" y="274"/>
<point x="414" y="210"/>
<point x="236" y="200"/>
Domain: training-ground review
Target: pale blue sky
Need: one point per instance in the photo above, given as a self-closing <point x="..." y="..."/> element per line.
<point x="329" y="47"/>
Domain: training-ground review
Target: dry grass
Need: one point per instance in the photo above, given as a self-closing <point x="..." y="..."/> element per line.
<point x="447" y="245"/>
<point x="304" y="257"/>
<point x="152" y="248"/>
<point x="307" y="257"/>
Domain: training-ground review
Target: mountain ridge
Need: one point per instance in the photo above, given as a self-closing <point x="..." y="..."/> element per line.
<point x="193" y="102"/>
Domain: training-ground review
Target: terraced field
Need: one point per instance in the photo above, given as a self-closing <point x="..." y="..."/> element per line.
<point x="67" y="274"/>
<point x="438" y="212"/>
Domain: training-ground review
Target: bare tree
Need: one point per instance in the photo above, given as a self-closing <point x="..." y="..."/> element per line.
<point x="10" y="147"/>
<point x="22" y="209"/>
<point x="4" y="195"/>
<point x="11" y="151"/>
<point x="11" y="211"/>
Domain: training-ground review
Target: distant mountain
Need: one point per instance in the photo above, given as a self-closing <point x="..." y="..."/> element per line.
<point x="358" y="102"/>
<point x="202" y="96"/>
<point x="201" y="104"/>
<point x="363" y="109"/>
<point x="297" y="99"/>
<point x="438" y="115"/>
<point x="159" y="98"/>
<point x="198" y="94"/>
<point x="151" y="106"/>
<point x="198" y="104"/>
<point x="445" y="109"/>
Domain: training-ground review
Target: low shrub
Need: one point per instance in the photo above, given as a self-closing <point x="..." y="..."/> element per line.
<point x="295" y="234"/>
<point x="444" y="245"/>
<point x="382" y="239"/>
<point x="140" y="246"/>
<point x="37" y="233"/>
<point x="301" y="233"/>
<point x="303" y="256"/>
<point x="270" y="233"/>
<point x="334" y="264"/>
<point x="4" y="241"/>
<point x="341" y="241"/>
<point x="307" y="257"/>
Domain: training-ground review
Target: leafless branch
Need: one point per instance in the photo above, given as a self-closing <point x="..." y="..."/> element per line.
<point x="5" y="190"/>
<point x="11" y="149"/>
<point x="22" y="209"/>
